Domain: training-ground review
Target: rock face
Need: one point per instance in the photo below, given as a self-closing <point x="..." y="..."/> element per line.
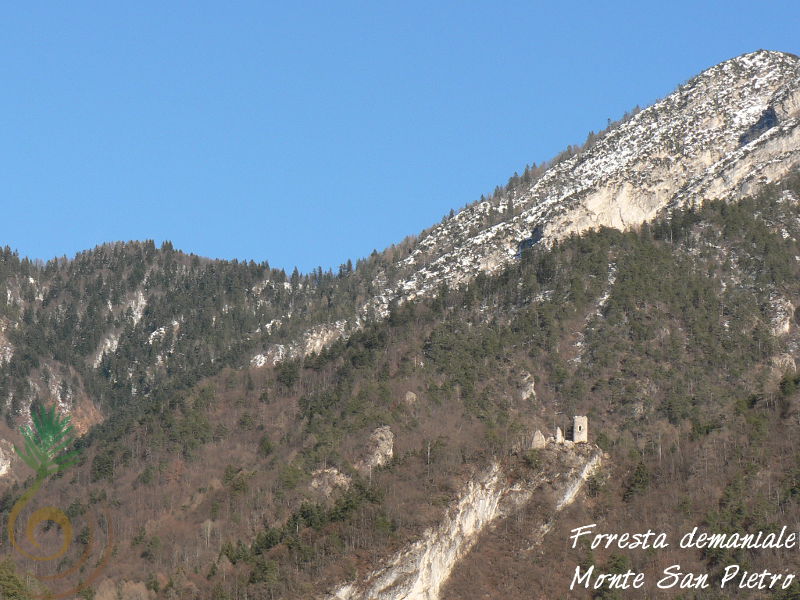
<point x="419" y="571"/>
<point x="527" y="390"/>
<point x="538" y="441"/>
<point x="6" y="456"/>
<point x="326" y="480"/>
<point x="6" y="349"/>
<point x="700" y="142"/>
<point x="317" y="339"/>
<point x="381" y="450"/>
<point x="313" y="341"/>
<point x="782" y="313"/>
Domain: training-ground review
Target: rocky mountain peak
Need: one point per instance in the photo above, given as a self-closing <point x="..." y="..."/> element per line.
<point x="723" y="134"/>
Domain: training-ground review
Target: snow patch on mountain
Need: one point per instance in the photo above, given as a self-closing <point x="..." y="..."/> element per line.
<point x="159" y="333"/>
<point x="108" y="345"/>
<point x="137" y="305"/>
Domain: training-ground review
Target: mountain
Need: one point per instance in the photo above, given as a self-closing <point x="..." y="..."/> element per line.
<point x="373" y="433"/>
<point x="722" y="135"/>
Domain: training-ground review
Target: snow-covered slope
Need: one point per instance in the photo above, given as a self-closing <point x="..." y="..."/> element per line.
<point x="688" y="147"/>
<point x="724" y="134"/>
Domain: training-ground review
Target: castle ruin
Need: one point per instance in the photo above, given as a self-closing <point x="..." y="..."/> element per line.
<point x="580" y="434"/>
<point x="580" y="429"/>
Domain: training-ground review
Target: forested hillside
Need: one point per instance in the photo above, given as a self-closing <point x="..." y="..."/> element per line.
<point x="222" y="480"/>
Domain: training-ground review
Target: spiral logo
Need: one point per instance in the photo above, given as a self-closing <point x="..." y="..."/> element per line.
<point x="67" y="569"/>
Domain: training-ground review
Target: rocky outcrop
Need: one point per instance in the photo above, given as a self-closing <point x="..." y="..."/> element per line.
<point x="6" y="349"/>
<point x="6" y="457"/>
<point x="327" y="480"/>
<point x="313" y="341"/>
<point x="527" y="388"/>
<point x="419" y="571"/>
<point x="380" y="452"/>
<point x="782" y="313"/>
<point x="559" y="438"/>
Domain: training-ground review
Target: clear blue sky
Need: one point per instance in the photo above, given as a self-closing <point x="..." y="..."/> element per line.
<point x="310" y="134"/>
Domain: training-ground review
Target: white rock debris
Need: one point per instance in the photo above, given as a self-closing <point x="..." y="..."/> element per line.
<point x="569" y="494"/>
<point x="321" y="336"/>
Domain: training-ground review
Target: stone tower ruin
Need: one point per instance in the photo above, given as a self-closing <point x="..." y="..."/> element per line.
<point x="580" y="429"/>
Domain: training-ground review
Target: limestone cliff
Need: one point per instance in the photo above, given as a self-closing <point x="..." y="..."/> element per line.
<point x="419" y="571"/>
<point x="706" y="140"/>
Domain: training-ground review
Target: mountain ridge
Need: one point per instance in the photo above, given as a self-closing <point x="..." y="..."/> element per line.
<point x="704" y="159"/>
<point x="375" y="402"/>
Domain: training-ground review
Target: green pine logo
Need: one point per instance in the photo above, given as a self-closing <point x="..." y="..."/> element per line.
<point x="44" y="443"/>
